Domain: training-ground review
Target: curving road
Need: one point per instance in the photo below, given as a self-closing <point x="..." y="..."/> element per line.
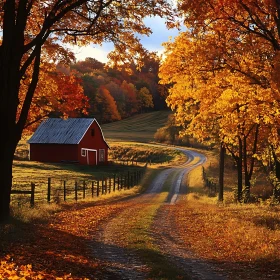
<point x="194" y="159"/>
<point x="116" y="252"/>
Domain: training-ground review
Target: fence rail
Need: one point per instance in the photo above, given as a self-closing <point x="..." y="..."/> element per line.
<point x="69" y="190"/>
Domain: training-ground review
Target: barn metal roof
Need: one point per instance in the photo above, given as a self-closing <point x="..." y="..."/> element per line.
<point x="61" y="131"/>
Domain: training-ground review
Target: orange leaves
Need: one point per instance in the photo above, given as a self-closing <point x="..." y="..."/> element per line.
<point x="222" y="73"/>
<point x="58" y="250"/>
<point x="10" y="271"/>
<point x="106" y="106"/>
<point x="227" y="234"/>
<point x="70" y="96"/>
<point x="56" y="92"/>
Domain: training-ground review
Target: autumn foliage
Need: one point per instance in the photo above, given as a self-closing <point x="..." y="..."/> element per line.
<point x="223" y="84"/>
<point x="56" y="94"/>
<point x="131" y="93"/>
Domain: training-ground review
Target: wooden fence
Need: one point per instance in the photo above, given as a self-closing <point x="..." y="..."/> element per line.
<point x="66" y="190"/>
<point x="31" y="193"/>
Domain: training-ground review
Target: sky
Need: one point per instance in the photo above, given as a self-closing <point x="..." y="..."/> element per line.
<point x="153" y="43"/>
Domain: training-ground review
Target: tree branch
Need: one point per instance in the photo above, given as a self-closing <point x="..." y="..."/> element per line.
<point x="29" y="95"/>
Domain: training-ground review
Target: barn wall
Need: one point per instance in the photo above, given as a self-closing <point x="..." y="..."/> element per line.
<point x="95" y="142"/>
<point x="53" y="152"/>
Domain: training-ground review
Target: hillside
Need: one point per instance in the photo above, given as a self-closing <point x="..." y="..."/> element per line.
<point x="140" y="128"/>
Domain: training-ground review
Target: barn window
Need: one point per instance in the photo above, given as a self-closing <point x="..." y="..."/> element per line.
<point x="83" y="152"/>
<point x="101" y="155"/>
<point x="92" y="132"/>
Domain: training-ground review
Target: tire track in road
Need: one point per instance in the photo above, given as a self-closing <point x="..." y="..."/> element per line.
<point x="194" y="159"/>
<point x="112" y="248"/>
<point x="166" y="235"/>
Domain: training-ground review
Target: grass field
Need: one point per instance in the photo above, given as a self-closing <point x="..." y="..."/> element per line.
<point x="139" y="128"/>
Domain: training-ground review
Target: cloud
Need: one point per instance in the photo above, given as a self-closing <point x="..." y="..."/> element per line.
<point x="98" y="52"/>
<point x="160" y="34"/>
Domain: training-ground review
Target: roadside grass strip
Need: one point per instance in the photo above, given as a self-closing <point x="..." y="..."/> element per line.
<point x="138" y="237"/>
<point x="242" y="239"/>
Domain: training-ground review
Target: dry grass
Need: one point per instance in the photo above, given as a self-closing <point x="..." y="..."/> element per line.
<point x="243" y="239"/>
<point x="43" y="211"/>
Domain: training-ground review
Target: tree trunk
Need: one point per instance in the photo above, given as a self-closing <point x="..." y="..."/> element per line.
<point x="247" y="177"/>
<point x="221" y="169"/>
<point x="276" y="191"/>
<point x="239" y="171"/>
<point x="12" y="70"/>
<point x="277" y="167"/>
<point x="6" y="164"/>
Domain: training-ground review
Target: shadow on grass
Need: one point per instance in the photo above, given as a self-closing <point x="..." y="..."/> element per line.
<point x="52" y="251"/>
<point x="98" y="170"/>
<point x="60" y="253"/>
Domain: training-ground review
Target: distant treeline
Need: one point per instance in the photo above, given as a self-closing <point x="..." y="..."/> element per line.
<point x="116" y="94"/>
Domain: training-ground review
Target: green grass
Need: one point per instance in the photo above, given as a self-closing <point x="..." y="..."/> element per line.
<point x="139" y="128"/>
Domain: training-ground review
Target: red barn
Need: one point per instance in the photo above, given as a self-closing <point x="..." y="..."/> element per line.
<point x="69" y="140"/>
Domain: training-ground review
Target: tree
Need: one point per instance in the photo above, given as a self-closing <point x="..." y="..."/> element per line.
<point x="88" y="65"/>
<point x="32" y="33"/>
<point x="105" y="106"/>
<point x="239" y="25"/>
<point x="168" y="133"/>
<point x="131" y="102"/>
<point x="145" y="99"/>
<point x="216" y="104"/>
<point x="56" y="94"/>
<point x="118" y="95"/>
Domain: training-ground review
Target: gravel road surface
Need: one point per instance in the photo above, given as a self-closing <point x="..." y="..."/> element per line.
<point x="122" y="262"/>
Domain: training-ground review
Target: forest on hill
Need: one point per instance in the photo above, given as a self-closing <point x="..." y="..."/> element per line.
<point x="115" y="94"/>
<point x="89" y="88"/>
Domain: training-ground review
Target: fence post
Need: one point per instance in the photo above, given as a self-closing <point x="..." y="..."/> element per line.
<point x="118" y="183"/>
<point x="32" y="198"/>
<point x="49" y="190"/>
<point x="109" y="185"/>
<point x="84" y="189"/>
<point x="114" y="183"/>
<point x="102" y="190"/>
<point x="97" y="190"/>
<point x="76" y="190"/>
<point x="92" y="188"/>
<point x="64" y="190"/>
<point x="133" y="179"/>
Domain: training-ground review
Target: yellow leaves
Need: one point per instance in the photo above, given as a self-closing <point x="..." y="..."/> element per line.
<point x="218" y="86"/>
<point x="10" y="271"/>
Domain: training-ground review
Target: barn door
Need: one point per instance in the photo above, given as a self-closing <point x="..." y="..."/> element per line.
<point x="91" y="157"/>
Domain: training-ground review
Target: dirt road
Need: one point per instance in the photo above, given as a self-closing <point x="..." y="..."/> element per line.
<point x="141" y="240"/>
